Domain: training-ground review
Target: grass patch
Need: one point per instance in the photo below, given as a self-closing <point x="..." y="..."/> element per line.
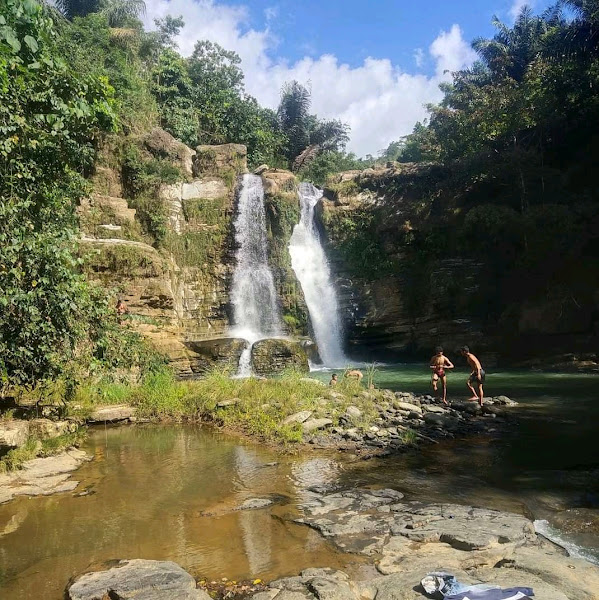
<point x="34" y="448"/>
<point x="256" y="407"/>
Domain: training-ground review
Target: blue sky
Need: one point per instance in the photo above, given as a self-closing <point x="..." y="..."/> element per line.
<point x="375" y="64"/>
<point x="354" y="29"/>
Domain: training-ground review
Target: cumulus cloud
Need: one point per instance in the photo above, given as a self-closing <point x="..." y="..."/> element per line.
<point x="378" y="99"/>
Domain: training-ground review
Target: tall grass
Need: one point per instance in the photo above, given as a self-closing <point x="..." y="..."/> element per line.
<point x="254" y="406"/>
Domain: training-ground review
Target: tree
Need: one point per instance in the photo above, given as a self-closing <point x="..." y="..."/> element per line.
<point x="49" y="118"/>
<point x="174" y="92"/>
<point x="121" y="12"/>
<point x="510" y="52"/>
<point x="77" y="8"/>
<point x="307" y="136"/>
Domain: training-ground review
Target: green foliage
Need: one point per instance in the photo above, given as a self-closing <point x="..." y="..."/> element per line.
<point x="14" y="459"/>
<point x="330" y="162"/>
<point x="359" y="243"/>
<point x="93" y="47"/>
<point x="122" y="260"/>
<point x="143" y="177"/>
<point x="173" y="89"/>
<point x="49" y="117"/>
<point x="259" y="406"/>
<point x="304" y="132"/>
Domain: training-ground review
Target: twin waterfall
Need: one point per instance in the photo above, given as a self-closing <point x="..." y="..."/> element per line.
<point x="253" y="295"/>
<point x="255" y="308"/>
<point x="312" y="271"/>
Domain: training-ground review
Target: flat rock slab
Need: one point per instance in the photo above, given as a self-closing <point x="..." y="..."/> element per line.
<point x="137" y="580"/>
<point x="411" y="539"/>
<point x="117" y="412"/>
<point x="43" y="476"/>
<point x="315" y="424"/>
<point x="254" y="503"/>
<point x="298" y="417"/>
<point x="409" y="407"/>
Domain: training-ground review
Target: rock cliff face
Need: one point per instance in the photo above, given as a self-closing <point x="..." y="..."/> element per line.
<point x="400" y="298"/>
<point x="171" y="260"/>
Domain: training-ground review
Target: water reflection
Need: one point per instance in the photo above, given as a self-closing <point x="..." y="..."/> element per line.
<point x="164" y="493"/>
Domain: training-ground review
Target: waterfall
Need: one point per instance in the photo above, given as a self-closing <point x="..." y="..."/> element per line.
<point x="312" y="271"/>
<point x="253" y="295"/>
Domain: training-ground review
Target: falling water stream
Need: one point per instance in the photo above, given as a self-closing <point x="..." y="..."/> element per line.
<point x="254" y="298"/>
<point x="311" y="268"/>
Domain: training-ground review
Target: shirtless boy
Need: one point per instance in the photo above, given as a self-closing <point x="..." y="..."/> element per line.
<point x="439" y="363"/>
<point x="477" y="377"/>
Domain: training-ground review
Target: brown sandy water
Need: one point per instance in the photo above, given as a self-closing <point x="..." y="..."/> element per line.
<point x="149" y="487"/>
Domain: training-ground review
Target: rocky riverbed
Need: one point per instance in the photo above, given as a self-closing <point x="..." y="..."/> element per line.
<point x="404" y="419"/>
<point x="403" y="542"/>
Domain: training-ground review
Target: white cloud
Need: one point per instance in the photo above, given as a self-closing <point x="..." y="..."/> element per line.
<point x="518" y="5"/>
<point x="419" y="57"/>
<point x="379" y="100"/>
<point x="271" y="13"/>
<point x="450" y="51"/>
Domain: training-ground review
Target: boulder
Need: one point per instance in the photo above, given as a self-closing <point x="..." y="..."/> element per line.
<point x="437" y="420"/>
<point x="44" y="428"/>
<point x="353" y="413"/>
<point x="220" y="159"/>
<point x="209" y="189"/>
<point x="223" y="353"/>
<point x="278" y="181"/>
<point x="275" y="355"/>
<point x="433" y="408"/>
<point x="13" y="433"/>
<point x="162" y="144"/>
<point x="504" y="401"/>
<point x="43" y="476"/>
<point x="261" y="169"/>
<point x="315" y="424"/>
<point x="116" y="412"/>
<point x="137" y="580"/>
<point x="408" y="407"/>
<point x="228" y="403"/>
<point x="298" y="417"/>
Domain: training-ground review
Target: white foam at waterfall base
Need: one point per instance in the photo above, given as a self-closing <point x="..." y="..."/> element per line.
<point x="311" y="268"/>
<point x="253" y="295"/>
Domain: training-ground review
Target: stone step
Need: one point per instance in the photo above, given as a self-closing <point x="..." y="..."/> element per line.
<point x="119" y="206"/>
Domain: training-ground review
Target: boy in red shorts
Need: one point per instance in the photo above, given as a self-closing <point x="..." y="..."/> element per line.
<point x="439" y="363"/>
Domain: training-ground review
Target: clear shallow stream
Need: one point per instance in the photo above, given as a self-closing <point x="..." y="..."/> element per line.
<point x="151" y="487"/>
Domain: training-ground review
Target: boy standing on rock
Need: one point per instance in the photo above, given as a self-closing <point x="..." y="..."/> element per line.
<point x="439" y="363"/>
<point x="477" y="377"/>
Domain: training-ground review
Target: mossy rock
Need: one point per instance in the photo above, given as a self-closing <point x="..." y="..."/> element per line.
<point x="121" y="259"/>
<point x="225" y="161"/>
<point x="273" y="356"/>
<point x="223" y="353"/>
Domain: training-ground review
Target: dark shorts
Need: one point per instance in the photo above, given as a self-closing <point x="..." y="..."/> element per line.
<point x="474" y="380"/>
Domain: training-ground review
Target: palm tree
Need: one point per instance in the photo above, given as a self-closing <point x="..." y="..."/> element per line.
<point x="577" y="38"/>
<point x="118" y="12"/>
<point x="511" y="50"/>
<point x="77" y="8"/>
<point x="293" y="115"/>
